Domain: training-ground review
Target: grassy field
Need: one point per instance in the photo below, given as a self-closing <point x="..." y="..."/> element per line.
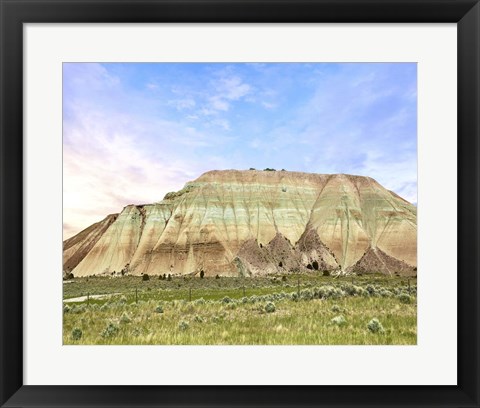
<point x="304" y="309"/>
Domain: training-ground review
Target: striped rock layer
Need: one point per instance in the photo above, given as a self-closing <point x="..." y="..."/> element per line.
<point x="255" y="222"/>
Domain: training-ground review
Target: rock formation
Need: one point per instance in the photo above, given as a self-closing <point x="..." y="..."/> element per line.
<point x="255" y="222"/>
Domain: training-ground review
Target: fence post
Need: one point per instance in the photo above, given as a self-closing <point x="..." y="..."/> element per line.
<point x="136" y="295"/>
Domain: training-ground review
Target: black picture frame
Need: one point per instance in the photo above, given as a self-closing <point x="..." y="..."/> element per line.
<point x="14" y="13"/>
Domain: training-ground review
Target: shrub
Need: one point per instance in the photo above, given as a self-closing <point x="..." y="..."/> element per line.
<point x="159" y="309"/>
<point x="125" y="318"/>
<point x="183" y="325"/>
<point x="226" y="299"/>
<point x="330" y="292"/>
<point x="66" y="309"/>
<point x="315" y="265"/>
<point x="338" y="321"/>
<point x="284" y="278"/>
<point x="370" y="289"/>
<point x="336" y="309"/>
<point x="122" y="300"/>
<point x="270" y="307"/>
<point x="353" y="290"/>
<point x="169" y="277"/>
<point x="375" y="326"/>
<point x="386" y="293"/>
<point x="326" y="273"/>
<point x="76" y="334"/>
<point x="110" y="331"/>
<point x="200" y="301"/>
<point x="78" y="308"/>
<point x="145" y="277"/>
<point x="404" y="298"/>
<point x="198" y="319"/>
<point x="306" y="294"/>
<point x="202" y="274"/>
<point x="136" y="332"/>
<point x="217" y="276"/>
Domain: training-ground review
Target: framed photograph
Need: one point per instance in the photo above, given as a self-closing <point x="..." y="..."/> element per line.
<point x="239" y="203"/>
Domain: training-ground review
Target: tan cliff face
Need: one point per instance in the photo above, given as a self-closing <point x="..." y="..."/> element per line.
<point x="255" y="222"/>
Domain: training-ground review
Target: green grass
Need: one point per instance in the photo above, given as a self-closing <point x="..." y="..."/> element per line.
<point x="131" y="319"/>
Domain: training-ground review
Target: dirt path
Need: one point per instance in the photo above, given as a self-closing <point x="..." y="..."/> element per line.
<point x="84" y="298"/>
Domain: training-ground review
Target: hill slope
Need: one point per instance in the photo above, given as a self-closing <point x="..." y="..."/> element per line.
<point x="255" y="222"/>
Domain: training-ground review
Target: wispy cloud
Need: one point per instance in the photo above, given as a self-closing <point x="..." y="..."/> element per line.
<point x="133" y="132"/>
<point x="181" y="104"/>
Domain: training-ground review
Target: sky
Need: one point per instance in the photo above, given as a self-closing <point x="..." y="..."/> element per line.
<point x="133" y="132"/>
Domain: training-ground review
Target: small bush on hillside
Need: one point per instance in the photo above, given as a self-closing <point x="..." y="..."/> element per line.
<point x="125" y="319"/>
<point x="76" y="334"/>
<point x="226" y="300"/>
<point x="326" y="273"/>
<point x="202" y="274"/>
<point x="306" y="294"/>
<point x="386" y="293"/>
<point x="79" y="308"/>
<point x="353" y="290"/>
<point x="110" y="331"/>
<point x="404" y="298"/>
<point x="336" y="309"/>
<point x="183" y="325"/>
<point x="159" y="309"/>
<point x="145" y="277"/>
<point x="375" y="326"/>
<point x="198" y="319"/>
<point x="66" y="309"/>
<point x="270" y="307"/>
<point x="338" y="321"/>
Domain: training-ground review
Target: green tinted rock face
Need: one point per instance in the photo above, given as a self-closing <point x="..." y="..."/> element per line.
<point x="256" y="222"/>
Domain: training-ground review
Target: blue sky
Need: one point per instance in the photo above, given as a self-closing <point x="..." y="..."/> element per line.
<point x="132" y="132"/>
